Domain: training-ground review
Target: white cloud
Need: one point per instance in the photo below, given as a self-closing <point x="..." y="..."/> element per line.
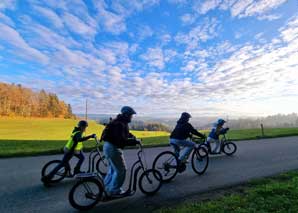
<point x="113" y="17"/>
<point x="11" y="36"/>
<point x="51" y="15"/>
<point x="7" y="4"/>
<point x="178" y="1"/>
<point x="6" y="20"/>
<point x="145" y="32"/>
<point x="76" y="25"/>
<point x="203" y="7"/>
<point x="269" y="17"/>
<point x="241" y="8"/>
<point x="262" y="7"/>
<point x="188" y="18"/>
<point x="199" y="33"/>
<point x="154" y="57"/>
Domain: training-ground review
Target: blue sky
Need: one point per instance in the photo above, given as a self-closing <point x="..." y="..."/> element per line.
<point x="212" y="57"/>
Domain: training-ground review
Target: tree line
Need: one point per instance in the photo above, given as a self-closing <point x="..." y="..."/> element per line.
<point x="16" y="100"/>
<point x="139" y="125"/>
<point x="272" y="121"/>
<point x="148" y="126"/>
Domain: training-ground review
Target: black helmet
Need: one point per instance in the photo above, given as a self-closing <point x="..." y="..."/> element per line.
<point x="127" y="110"/>
<point x="82" y="123"/>
<point x="185" y="115"/>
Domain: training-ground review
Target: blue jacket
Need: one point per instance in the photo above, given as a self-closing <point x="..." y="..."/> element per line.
<point x="215" y="135"/>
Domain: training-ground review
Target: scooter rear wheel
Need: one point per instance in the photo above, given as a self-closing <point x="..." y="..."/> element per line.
<point x="60" y="175"/>
<point x="85" y="194"/>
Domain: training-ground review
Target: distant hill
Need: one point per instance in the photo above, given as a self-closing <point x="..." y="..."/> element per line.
<point x="16" y="100"/>
<point x="272" y="121"/>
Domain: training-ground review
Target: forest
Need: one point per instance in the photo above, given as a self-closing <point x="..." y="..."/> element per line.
<point x="16" y="100"/>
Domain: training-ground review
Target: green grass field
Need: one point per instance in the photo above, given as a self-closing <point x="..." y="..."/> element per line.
<point x="25" y="137"/>
<point x="276" y="194"/>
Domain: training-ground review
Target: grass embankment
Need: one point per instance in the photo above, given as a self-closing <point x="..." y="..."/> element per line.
<point x="275" y="194"/>
<point x="25" y="137"/>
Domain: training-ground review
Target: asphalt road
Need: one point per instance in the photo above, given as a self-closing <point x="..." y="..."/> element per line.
<point x="22" y="191"/>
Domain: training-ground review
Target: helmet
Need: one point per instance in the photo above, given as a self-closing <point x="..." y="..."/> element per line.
<point x="220" y="121"/>
<point x="185" y="115"/>
<point x="127" y="110"/>
<point x="82" y="123"/>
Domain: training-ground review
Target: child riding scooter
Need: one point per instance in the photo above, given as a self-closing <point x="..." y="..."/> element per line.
<point x="216" y="131"/>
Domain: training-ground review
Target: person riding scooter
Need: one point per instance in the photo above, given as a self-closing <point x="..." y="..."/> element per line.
<point x="74" y="147"/>
<point x="216" y="131"/>
<point x="116" y="136"/>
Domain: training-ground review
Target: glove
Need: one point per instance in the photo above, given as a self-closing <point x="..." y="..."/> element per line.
<point x="93" y="136"/>
<point x="227" y="129"/>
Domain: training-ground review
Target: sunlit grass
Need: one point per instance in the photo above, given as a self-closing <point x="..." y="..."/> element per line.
<point x="277" y="194"/>
<point x="19" y="136"/>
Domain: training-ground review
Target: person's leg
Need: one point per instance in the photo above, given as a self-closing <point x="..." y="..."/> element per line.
<point x="217" y="146"/>
<point x="81" y="157"/>
<point x="108" y="154"/>
<point x="67" y="156"/>
<point x="118" y="177"/>
<point x="175" y="147"/>
<point x="188" y="147"/>
<point x="117" y="169"/>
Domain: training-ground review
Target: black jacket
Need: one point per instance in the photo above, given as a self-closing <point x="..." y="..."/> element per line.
<point x="183" y="130"/>
<point x="117" y="133"/>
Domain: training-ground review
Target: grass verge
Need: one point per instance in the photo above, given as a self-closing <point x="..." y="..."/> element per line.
<point x="274" y="194"/>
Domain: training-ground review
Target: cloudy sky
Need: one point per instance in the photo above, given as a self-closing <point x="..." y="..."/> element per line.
<point x="212" y="57"/>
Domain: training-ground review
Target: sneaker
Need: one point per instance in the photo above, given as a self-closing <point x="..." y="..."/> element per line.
<point x="77" y="171"/>
<point x="182" y="167"/>
<point x="119" y="194"/>
<point x="46" y="181"/>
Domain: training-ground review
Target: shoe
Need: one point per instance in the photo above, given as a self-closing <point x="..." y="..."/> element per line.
<point x="119" y="194"/>
<point x="46" y="181"/>
<point x="78" y="171"/>
<point x="181" y="167"/>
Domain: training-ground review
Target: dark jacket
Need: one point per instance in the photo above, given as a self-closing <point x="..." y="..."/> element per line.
<point x="183" y="130"/>
<point x="117" y="133"/>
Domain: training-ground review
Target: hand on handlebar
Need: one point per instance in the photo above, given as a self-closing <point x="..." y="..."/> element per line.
<point x="138" y="141"/>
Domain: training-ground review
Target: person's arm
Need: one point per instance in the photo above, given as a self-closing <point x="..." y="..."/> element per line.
<point x="196" y="132"/>
<point x="126" y="137"/>
<point x="131" y="135"/>
<point x="223" y="131"/>
<point x="78" y="138"/>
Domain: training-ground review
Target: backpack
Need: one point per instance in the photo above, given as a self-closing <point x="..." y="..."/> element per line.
<point x="106" y="131"/>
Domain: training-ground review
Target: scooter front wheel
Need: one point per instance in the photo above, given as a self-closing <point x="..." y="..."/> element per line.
<point x="102" y="166"/>
<point x="167" y="164"/>
<point x="85" y="194"/>
<point x="229" y="148"/>
<point x="150" y="182"/>
<point x="200" y="160"/>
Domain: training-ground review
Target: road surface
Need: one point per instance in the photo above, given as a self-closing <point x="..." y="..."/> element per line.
<point x="22" y="191"/>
